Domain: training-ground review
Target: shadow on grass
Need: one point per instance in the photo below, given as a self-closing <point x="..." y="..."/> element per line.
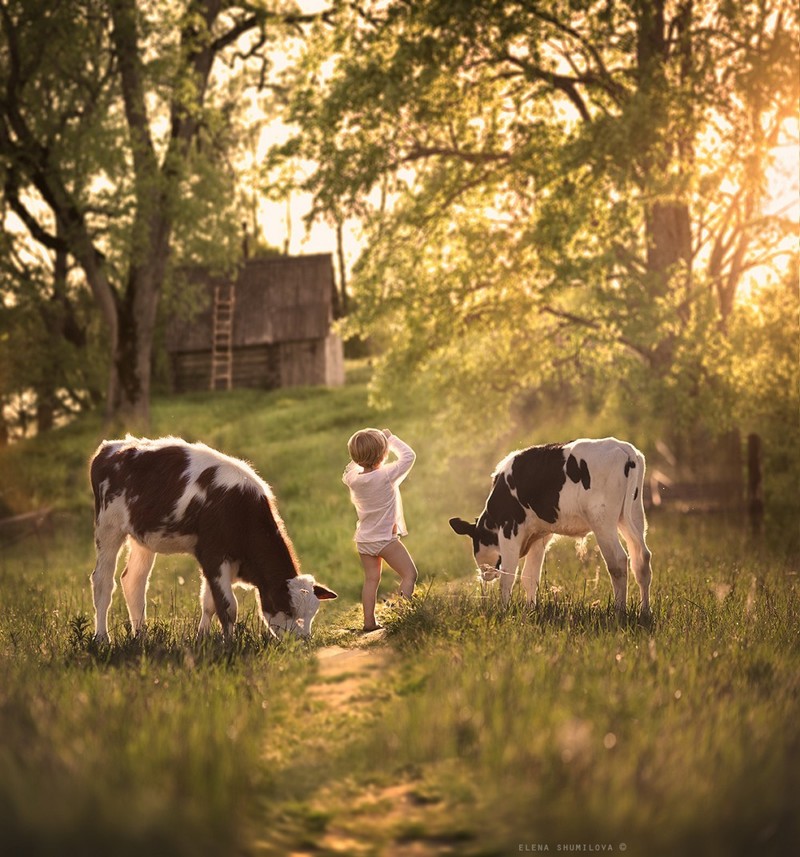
<point x="452" y="615"/>
<point x="175" y="642"/>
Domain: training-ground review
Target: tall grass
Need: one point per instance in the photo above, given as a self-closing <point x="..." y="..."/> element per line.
<point x="489" y="729"/>
<point x="561" y="726"/>
<point x="682" y="737"/>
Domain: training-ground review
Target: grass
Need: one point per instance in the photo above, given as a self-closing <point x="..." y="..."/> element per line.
<point x="486" y="730"/>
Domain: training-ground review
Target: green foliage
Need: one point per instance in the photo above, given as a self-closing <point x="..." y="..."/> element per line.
<point x="122" y="129"/>
<point x="552" y="194"/>
<point x="767" y="381"/>
<point x="51" y="349"/>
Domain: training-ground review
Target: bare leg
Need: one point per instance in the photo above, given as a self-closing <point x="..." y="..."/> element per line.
<point x="369" y="592"/>
<point x="134" y="579"/>
<point x="400" y="561"/>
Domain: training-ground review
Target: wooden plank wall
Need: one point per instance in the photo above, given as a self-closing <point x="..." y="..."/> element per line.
<point x="266" y="367"/>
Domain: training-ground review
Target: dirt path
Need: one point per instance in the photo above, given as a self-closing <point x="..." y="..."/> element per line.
<point x="346" y="674"/>
<point x="382" y="819"/>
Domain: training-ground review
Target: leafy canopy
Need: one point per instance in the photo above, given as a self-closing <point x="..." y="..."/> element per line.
<point x="551" y="191"/>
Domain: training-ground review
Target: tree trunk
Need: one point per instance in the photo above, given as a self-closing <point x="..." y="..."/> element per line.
<point x="4" y="436"/>
<point x="155" y="186"/>
<point x="755" y="488"/>
<point x="136" y="315"/>
<point x="667" y="222"/>
<point x="340" y="306"/>
<point x="669" y="241"/>
<point x="667" y="219"/>
<point x="45" y="412"/>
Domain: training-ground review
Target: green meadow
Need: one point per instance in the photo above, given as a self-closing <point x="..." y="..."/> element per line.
<point x="467" y="729"/>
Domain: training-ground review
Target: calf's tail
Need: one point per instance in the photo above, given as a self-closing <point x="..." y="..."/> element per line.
<point x="634" y="473"/>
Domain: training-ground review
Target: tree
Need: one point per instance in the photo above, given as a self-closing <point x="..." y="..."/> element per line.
<point x="48" y="338"/>
<point x="572" y="186"/>
<point x="766" y="370"/>
<point x="108" y="110"/>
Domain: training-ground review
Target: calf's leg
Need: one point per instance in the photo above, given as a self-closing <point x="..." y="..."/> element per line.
<point x="208" y="607"/>
<point x="134" y="580"/>
<point x="532" y="569"/>
<point x="219" y="579"/>
<point x="640" y="563"/>
<point x="617" y="564"/>
<point x="108" y="542"/>
<point x="509" y="560"/>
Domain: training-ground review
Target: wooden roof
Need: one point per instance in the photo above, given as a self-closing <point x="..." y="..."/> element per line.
<point x="278" y="299"/>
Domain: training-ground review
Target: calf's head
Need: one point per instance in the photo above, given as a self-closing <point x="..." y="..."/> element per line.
<point x="485" y="544"/>
<point x="305" y="595"/>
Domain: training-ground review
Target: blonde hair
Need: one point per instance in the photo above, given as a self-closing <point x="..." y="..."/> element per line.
<point x="368" y="447"/>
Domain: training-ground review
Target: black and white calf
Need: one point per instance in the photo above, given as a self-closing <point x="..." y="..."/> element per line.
<point x="568" y="489"/>
<point x="169" y="496"/>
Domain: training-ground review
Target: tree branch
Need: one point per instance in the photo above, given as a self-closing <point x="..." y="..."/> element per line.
<point x="126" y="43"/>
<point x="593" y="324"/>
<point x="565" y="84"/>
<point x="45" y="238"/>
<point x="420" y="152"/>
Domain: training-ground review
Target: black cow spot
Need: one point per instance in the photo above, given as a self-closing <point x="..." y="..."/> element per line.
<point x="629" y="465"/>
<point x="573" y="471"/>
<point x="579" y="472"/>
<point x="636" y="493"/>
<point x="461" y="527"/>
<point x="503" y="509"/>
<point x="206" y="478"/>
<point x="539" y="476"/>
<point x="482" y="535"/>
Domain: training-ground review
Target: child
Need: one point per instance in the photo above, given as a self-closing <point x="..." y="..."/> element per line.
<point x="375" y="492"/>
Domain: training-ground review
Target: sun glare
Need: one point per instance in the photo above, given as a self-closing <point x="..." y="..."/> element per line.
<point x="781" y="200"/>
<point x="783" y="174"/>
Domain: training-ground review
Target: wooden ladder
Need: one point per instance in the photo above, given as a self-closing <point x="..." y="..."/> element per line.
<point x="222" y="338"/>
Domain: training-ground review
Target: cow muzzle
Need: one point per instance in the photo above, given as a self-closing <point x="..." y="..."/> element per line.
<point x="488" y="572"/>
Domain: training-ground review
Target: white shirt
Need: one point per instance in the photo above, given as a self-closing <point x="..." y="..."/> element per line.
<point x="376" y="494"/>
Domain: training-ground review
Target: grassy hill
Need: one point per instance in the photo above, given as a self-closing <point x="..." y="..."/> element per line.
<point x="470" y="730"/>
<point x="297" y="441"/>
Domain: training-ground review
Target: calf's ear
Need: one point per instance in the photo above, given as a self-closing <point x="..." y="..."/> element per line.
<point x="463" y="528"/>
<point x="323" y="593"/>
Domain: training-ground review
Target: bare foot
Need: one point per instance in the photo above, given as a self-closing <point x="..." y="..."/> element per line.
<point x="368" y="629"/>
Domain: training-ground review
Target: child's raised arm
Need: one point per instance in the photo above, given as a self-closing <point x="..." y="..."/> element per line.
<point x="398" y="470"/>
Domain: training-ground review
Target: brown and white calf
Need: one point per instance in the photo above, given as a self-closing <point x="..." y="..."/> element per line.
<point x="170" y="496"/>
<point x="569" y="489"/>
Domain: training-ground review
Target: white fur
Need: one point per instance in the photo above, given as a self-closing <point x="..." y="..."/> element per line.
<point x="304" y="603"/>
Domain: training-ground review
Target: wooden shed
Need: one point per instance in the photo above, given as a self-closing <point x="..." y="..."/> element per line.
<point x="269" y="327"/>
